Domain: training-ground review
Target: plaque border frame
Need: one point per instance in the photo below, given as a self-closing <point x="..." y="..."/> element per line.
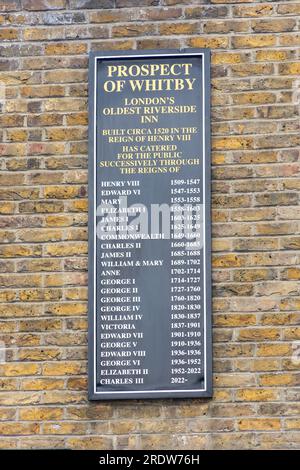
<point x="93" y="394"/>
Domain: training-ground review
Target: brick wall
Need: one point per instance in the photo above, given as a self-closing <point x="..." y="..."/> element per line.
<point x="43" y="223"/>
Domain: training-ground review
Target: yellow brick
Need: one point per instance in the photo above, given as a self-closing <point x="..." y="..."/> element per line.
<point x="63" y="368"/>
<point x="39" y="265"/>
<point x="39" y="442"/>
<point x="178" y="28"/>
<point x="8" y="327"/>
<point x="19" y="310"/>
<point x="17" y="135"/>
<point x="272" y="55"/>
<point x="40" y="413"/>
<point x="8" y="384"/>
<point x="40" y="34"/>
<point x="19" y="398"/>
<point x="7" y="414"/>
<point x="30" y="295"/>
<point x="226" y="58"/>
<point x="60" y="397"/>
<point x="64" y="76"/>
<point x="132" y="30"/>
<point x="289" y="9"/>
<point x="130" y="426"/>
<point x="218" y="158"/>
<point x="71" y="133"/>
<point x="232" y="143"/>
<point x="265" y="364"/>
<point x="9" y="34"/>
<point x="76" y="294"/>
<point x="67" y="309"/>
<point x="252" y="394"/>
<point x="254" y="40"/>
<point x="40" y="235"/>
<point x="65" y="428"/>
<point x="214" y="42"/>
<point x="290" y="68"/>
<point x="234" y="380"/>
<point x="96" y="412"/>
<point x="254" y="98"/>
<point x="125" y="45"/>
<point x="225" y="261"/>
<point x="86" y="443"/>
<point x="290" y="304"/>
<point x="258" y="334"/>
<point x="259" y="10"/>
<point x="7" y="296"/>
<point x="43" y="92"/>
<point x="67" y="249"/>
<point x="19" y="369"/>
<point x="40" y="325"/>
<point x="61" y="192"/>
<point x="14" y="251"/>
<point x="111" y="16"/>
<point x="80" y="205"/>
<point x="280" y="379"/>
<point x="259" y="424"/>
<point x="292" y="424"/>
<point x="292" y="273"/>
<point x="222" y="395"/>
<point x="65" y="48"/>
<point x="38" y="354"/>
<point x="232" y="320"/>
<point x="77" y="383"/>
<point x="273" y="25"/>
<point x="43" y="384"/>
<point x="67" y="279"/>
<point x="58" y="220"/>
<point x="221" y="245"/>
<point x="153" y="441"/>
<point x="19" y="428"/>
<point x="8" y="443"/>
<point x="276" y="349"/>
<point x="77" y="119"/>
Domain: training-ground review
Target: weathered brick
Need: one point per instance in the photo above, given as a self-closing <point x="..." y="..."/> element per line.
<point x="40" y="413"/>
<point x="258" y="334"/>
<point x="259" y="424"/>
<point x="291" y="68"/>
<point x="41" y="207"/>
<point x="88" y="443"/>
<point x="64" y="192"/>
<point x="71" y="309"/>
<point x="256" y="394"/>
<point x="40" y="34"/>
<point x="278" y="379"/>
<point x="209" y="41"/>
<point x="124" y="45"/>
<point x="233" y="320"/>
<point x="17" y="369"/>
<point x="273" y="25"/>
<point x="9" y="34"/>
<point x="64" y="76"/>
<point x="253" y="11"/>
<point x="38" y="325"/>
<point x="132" y="30"/>
<point x="272" y="55"/>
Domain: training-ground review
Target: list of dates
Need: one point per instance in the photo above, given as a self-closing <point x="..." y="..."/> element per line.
<point x="150" y="310"/>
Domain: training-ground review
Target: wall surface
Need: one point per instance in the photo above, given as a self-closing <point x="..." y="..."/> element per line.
<point x="43" y="223"/>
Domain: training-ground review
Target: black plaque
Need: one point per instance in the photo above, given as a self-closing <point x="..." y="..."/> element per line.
<point x="149" y="225"/>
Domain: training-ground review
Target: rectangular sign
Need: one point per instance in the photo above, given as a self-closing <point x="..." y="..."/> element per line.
<point x="149" y="225"/>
